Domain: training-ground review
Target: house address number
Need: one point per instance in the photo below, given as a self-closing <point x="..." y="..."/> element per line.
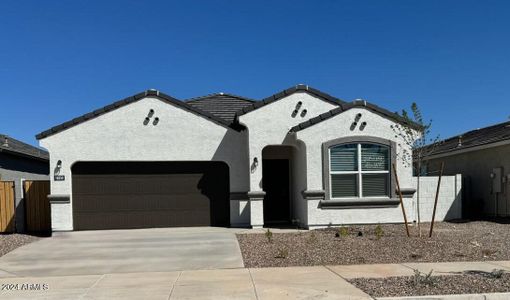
<point x="59" y="177"/>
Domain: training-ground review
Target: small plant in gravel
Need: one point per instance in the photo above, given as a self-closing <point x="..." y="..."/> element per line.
<point x="415" y="255"/>
<point x="379" y="232"/>
<point x="312" y="239"/>
<point x="420" y="278"/>
<point x="282" y="253"/>
<point x="342" y="232"/>
<point x="269" y="236"/>
<point x="488" y="252"/>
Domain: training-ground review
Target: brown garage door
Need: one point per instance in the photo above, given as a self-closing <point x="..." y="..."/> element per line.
<point x="120" y="195"/>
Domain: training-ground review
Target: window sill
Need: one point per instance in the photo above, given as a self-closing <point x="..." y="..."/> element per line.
<point x="359" y="203"/>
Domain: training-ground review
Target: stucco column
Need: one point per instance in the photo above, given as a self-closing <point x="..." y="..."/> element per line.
<point x="256" y="208"/>
<point x="60" y="198"/>
<point x="256" y="194"/>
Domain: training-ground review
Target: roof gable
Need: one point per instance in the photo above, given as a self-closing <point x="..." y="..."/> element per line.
<point x="287" y="92"/>
<point x="346" y="106"/>
<point x="149" y="93"/>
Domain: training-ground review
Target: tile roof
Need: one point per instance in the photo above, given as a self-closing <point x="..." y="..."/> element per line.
<point x="287" y="92"/>
<point x="16" y="147"/>
<point x="221" y="105"/>
<point x="346" y="106"/>
<point x="128" y="100"/>
<point x="224" y="108"/>
<point x="478" y="137"/>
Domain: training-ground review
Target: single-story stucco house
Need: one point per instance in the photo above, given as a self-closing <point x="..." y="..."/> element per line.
<point x="483" y="157"/>
<point x="19" y="162"/>
<point x="298" y="157"/>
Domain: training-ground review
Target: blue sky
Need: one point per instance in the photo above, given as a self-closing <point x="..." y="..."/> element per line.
<point x="59" y="60"/>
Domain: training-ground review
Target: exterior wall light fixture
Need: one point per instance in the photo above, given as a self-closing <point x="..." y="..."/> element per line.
<point x="254" y="164"/>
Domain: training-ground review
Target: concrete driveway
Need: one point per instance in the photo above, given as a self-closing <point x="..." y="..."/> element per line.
<point x="125" y="251"/>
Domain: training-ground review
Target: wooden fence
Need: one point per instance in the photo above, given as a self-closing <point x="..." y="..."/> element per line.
<point x="7" y="210"/>
<point x="37" y="205"/>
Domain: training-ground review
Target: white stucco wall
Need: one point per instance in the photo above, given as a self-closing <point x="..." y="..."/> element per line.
<point x="270" y="124"/>
<point x="120" y="135"/>
<point x="340" y="126"/>
<point x="336" y="127"/>
<point x="449" y="206"/>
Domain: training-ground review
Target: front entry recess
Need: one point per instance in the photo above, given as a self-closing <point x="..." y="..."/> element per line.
<point x="275" y="182"/>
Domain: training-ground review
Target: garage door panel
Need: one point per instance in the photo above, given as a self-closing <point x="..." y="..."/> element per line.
<point x="110" y="195"/>
<point x="139" y="184"/>
<point x="143" y="219"/>
<point x="92" y="202"/>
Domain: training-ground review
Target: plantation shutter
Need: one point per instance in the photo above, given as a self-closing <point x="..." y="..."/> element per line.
<point x="344" y="158"/>
<point x="344" y="185"/>
<point x="374" y="157"/>
<point x="375" y="185"/>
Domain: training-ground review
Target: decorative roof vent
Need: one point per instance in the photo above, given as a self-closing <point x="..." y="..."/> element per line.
<point x="460" y="141"/>
<point x="6" y="142"/>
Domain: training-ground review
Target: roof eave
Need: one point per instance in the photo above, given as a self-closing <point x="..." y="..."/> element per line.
<point x="25" y="155"/>
<point x="288" y="92"/>
<point x="346" y="106"/>
<point x="108" y="108"/>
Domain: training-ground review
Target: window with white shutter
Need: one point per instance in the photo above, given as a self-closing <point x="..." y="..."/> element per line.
<point x="359" y="170"/>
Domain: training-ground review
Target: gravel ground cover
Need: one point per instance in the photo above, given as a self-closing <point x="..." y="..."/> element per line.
<point x="440" y="285"/>
<point x="388" y="243"/>
<point x="9" y="242"/>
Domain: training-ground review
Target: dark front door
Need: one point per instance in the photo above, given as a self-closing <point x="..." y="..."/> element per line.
<point x="120" y="195"/>
<point x="275" y="182"/>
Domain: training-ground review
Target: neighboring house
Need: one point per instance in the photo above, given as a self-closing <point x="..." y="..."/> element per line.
<point x="483" y="158"/>
<point x="298" y="157"/>
<point x="19" y="162"/>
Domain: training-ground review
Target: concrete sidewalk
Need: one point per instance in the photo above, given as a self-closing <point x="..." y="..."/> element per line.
<point x="267" y="283"/>
<point x="324" y="282"/>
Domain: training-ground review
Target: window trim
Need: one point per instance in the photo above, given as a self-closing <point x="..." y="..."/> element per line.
<point x="359" y="171"/>
<point x="326" y="175"/>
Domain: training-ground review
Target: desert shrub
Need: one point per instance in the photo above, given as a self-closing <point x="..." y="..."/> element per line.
<point x="342" y="232"/>
<point x="282" y="253"/>
<point x="488" y="252"/>
<point x="312" y="239"/>
<point x="379" y="232"/>
<point x="420" y="278"/>
<point x="269" y="236"/>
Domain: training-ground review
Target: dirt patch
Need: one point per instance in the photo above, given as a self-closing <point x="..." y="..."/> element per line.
<point x="9" y="242"/>
<point x="439" y="285"/>
<point x="473" y="241"/>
